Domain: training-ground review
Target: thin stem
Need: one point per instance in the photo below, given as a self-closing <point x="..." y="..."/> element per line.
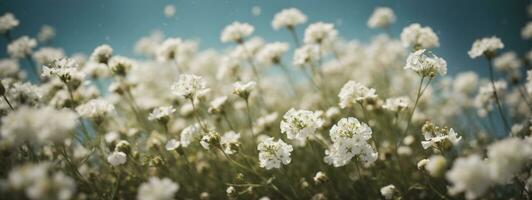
<point x="420" y="92"/>
<point x="294" y="36"/>
<point x="288" y="77"/>
<point x="497" y="100"/>
<point x="196" y="116"/>
<point x="224" y="115"/>
<point x="8" y="103"/>
<point x="250" y="121"/>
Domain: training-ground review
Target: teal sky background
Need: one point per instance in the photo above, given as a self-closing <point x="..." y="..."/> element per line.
<point x="81" y="25"/>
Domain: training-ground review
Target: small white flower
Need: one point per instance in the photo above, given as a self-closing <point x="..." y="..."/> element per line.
<point x="102" y="54"/>
<point x="95" y="108"/>
<point x="436" y="165"/>
<point x="307" y="54"/>
<point x="120" y="65"/>
<point x="387" y="191"/>
<point x="470" y="175"/>
<point x="419" y="37"/>
<point x="169" y="11"/>
<point x="172" y="144"/>
<point x="508" y="157"/>
<point x="21" y="47"/>
<point x="526" y="32"/>
<point x="210" y="139"/>
<point x="8" y="22"/>
<point x="273" y="153"/>
<point x="300" y="124"/>
<point x="396" y="104"/>
<point x="189" y="133"/>
<point x="507" y="62"/>
<point x="320" y="33"/>
<point x="228" y="140"/>
<point x="46" y="33"/>
<point x="161" y="112"/>
<point x="46" y="55"/>
<point x="381" y="17"/>
<point x="354" y="92"/>
<point x="243" y="89"/>
<point x="157" y="189"/>
<point x="188" y="86"/>
<point x="217" y="104"/>
<point x="485" y="46"/>
<point x="426" y="65"/>
<point x="288" y="18"/>
<point x="236" y="32"/>
<point x="117" y="158"/>
<point x="272" y="53"/>
<point x="436" y="136"/>
<point x="168" y="50"/>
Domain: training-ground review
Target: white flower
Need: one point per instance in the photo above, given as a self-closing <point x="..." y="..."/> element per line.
<point x="38" y="125"/>
<point x="157" y="189"/>
<point x="526" y="32"/>
<point x="243" y="89"/>
<point x="486" y="96"/>
<point x="470" y="175"/>
<point x="272" y="53"/>
<point x="529" y="81"/>
<point x="161" y="112"/>
<point x="387" y="191"/>
<point x="320" y="33"/>
<point x="228" y="140"/>
<point x="95" y="108"/>
<point x="189" y="133"/>
<point x="436" y="165"/>
<point x="39" y="183"/>
<point x="210" y="139"/>
<point x="288" y="18"/>
<point x="465" y="82"/>
<point x="273" y="153"/>
<point x="306" y="54"/>
<point x="300" y="124"/>
<point x="354" y="92"/>
<point x="426" y="65"/>
<point x="436" y="136"/>
<point x="217" y="104"/>
<point x="64" y="69"/>
<point x="46" y="55"/>
<point x="381" y="17"/>
<point x="350" y="138"/>
<point x="21" y="47"/>
<point x="396" y="104"/>
<point x="507" y="62"/>
<point x="422" y="163"/>
<point x="102" y="53"/>
<point x="8" y="67"/>
<point x="236" y="32"/>
<point x="168" y="50"/>
<point x="188" y="86"/>
<point x="508" y="157"/>
<point x="120" y="65"/>
<point x="484" y="46"/>
<point x="7" y="22"/>
<point x="169" y="10"/>
<point x="117" y="158"/>
<point x="46" y="33"/>
<point x="172" y="144"/>
<point x="419" y="37"/>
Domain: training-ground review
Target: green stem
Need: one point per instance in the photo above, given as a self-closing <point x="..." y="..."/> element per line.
<point x="497" y="100"/>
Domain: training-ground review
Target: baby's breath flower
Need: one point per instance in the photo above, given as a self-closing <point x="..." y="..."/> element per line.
<point x="8" y="22"/>
<point x="21" y="47"/>
<point x="382" y="17"/>
<point x="117" y="158"/>
<point x="387" y="191"/>
<point x="162" y="113"/>
<point x="507" y="62"/>
<point x="120" y="65"/>
<point x="46" y="55"/>
<point x="211" y="139"/>
<point x="65" y="69"/>
<point x="273" y="153"/>
<point x="236" y="32"/>
<point x="438" y="137"/>
<point x="300" y="124"/>
<point x="172" y="145"/>
<point x="188" y="86"/>
<point x="426" y="64"/>
<point x="307" y="54"/>
<point x="46" y="33"/>
<point x="320" y="177"/>
<point x="396" y="104"/>
<point x="508" y="157"/>
<point x="272" y="53"/>
<point x="169" y="10"/>
<point x="419" y="37"/>
<point x="349" y="137"/>
<point x="436" y="165"/>
<point x="229" y="142"/>
<point x="102" y="54"/>
<point x="470" y="175"/>
<point x="320" y="33"/>
<point x="189" y="133"/>
<point x="157" y="189"/>
<point x="168" y="50"/>
<point x="354" y="92"/>
<point x="95" y="108"/>
<point x="243" y="89"/>
<point x="485" y="46"/>
<point x="288" y="18"/>
<point x="217" y="104"/>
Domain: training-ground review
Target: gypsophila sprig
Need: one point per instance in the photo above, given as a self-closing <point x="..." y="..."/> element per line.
<point x="288" y="18"/>
<point x="485" y="46"/>
<point x="300" y="124"/>
<point x="157" y="189"/>
<point x="353" y="93"/>
<point x="236" y="32"/>
<point x="188" y="86"/>
<point x="8" y="22"/>
<point x="382" y="17"/>
<point x="419" y="37"/>
<point x="426" y="64"/>
<point x="274" y="153"/>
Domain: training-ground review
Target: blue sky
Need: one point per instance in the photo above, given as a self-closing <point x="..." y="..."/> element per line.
<point x="82" y="25"/>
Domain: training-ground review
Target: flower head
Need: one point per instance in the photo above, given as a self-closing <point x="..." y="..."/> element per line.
<point x="102" y="54"/>
<point x="273" y="153"/>
<point x="320" y="33"/>
<point x="7" y="22"/>
<point x="382" y="17"/>
<point x="272" y="53"/>
<point x="95" y="108"/>
<point x="188" y="86"/>
<point x="306" y="54"/>
<point x="396" y="104"/>
<point x="485" y="46"/>
<point x="157" y="189"/>
<point x="161" y="113"/>
<point x="426" y="64"/>
<point x="300" y="124"/>
<point x="236" y="32"/>
<point x="419" y="37"/>
<point x="21" y="47"/>
<point x="117" y="158"/>
<point x="469" y="175"/>
<point x="288" y="18"/>
<point x="243" y="89"/>
<point x="354" y="92"/>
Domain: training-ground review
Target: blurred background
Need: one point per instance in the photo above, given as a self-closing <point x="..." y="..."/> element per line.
<point x="81" y="25"/>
